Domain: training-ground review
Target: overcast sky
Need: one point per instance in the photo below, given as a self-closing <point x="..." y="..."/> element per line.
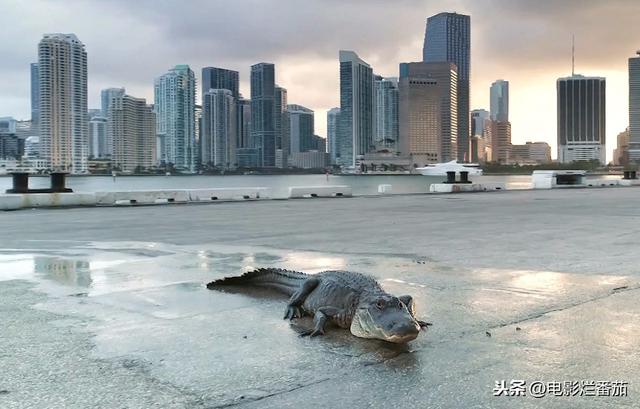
<point x="527" y="42"/>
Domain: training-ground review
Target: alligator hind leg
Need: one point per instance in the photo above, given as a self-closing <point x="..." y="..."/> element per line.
<point x="294" y="309"/>
<point x="408" y="301"/>
<point x="320" y="319"/>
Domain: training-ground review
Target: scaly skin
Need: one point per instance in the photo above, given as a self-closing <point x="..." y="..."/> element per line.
<point x="344" y="298"/>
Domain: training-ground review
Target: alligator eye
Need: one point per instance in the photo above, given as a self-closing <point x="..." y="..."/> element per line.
<point x="380" y="304"/>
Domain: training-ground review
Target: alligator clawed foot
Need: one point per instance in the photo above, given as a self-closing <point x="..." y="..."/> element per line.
<point x="292" y="312"/>
<point x="424" y="324"/>
<point x="311" y="333"/>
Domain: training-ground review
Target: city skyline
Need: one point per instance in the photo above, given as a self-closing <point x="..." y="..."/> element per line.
<point x="117" y="60"/>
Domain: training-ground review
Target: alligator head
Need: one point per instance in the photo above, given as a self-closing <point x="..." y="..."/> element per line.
<point x="385" y="317"/>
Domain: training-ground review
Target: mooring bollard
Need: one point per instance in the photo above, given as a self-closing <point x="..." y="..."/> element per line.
<point x="629" y="174"/>
<point x="20" y="183"/>
<point x="464" y="177"/>
<point x="58" y="183"/>
<point x="451" y="177"/>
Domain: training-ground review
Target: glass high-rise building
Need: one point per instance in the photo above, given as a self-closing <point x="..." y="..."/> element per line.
<point x="281" y="126"/>
<point x="301" y="129"/>
<point x="263" y="109"/>
<point x="333" y="121"/>
<point x="386" y="112"/>
<point x="219" y="136"/>
<point x="581" y="118"/>
<point x="634" y="108"/>
<point x="355" y="136"/>
<point x="175" y="117"/>
<point x="62" y="81"/>
<point x="98" y="144"/>
<point x="500" y="101"/>
<point x="243" y="123"/>
<point x="221" y="78"/>
<point x="105" y="98"/>
<point x="448" y="39"/>
<point x="479" y="119"/>
<point x="35" y="96"/>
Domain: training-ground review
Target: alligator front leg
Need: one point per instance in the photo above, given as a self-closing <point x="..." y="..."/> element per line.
<point x="320" y="319"/>
<point x="294" y="309"/>
<point x="408" y="301"/>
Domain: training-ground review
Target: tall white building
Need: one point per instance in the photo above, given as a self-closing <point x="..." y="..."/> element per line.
<point x="62" y="82"/>
<point x="99" y="146"/>
<point x="581" y="118"/>
<point x="219" y="136"/>
<point x="634" y="108"/>
<point x="131" y="127"/>
<point x="175" y="98"/>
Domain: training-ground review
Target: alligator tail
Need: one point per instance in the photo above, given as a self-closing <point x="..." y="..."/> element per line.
<point x="285" y="281"/>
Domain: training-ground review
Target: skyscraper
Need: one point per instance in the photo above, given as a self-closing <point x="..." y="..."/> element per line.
<point x="282" y="129"/>
<point x="35" y="96"/>
<point x="333" y="121"/>
<point x="448" y="38"/>
<point x="386" y="112"/>
<point x="581" y="118"/>
<point x="263" y="102"/>
<point x="105" y="98"/>
<point x="98" y="144"/>
<point x="479" y="118"/>
<point x="501" y="141"/>
<point x="301" y="129"/>
<point x="355" y="136"/>
<point x="243" y="123"/>
<point x="428" y="112"/>
<point x="220" y="78"/>
<point x="62" y="78"/>
<point x="175" y="117"/>
<point x="634" y="108"/>
<point x="500" y="101"/>
<point x="132" y="128"/>
<point x="219" y="135"/>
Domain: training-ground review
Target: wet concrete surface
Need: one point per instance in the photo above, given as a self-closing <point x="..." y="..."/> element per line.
<point x="108" y="307"/>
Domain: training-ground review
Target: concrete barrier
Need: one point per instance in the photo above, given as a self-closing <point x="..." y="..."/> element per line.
<point x="15" y="201"/>
<point x="297" y="192"/>
<point x="602" y="182"/>
<point x="246" y="193"/>
<point x="465" y="187"/>
<point x="385" y="189"/>
<point x="146" y="197"/>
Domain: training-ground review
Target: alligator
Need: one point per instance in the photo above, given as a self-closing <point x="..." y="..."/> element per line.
<point x="347" y="299"/>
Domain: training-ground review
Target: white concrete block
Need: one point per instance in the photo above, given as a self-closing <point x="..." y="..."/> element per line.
<point x="142" y="197"/>
<point x="385" y="189"/>
<point x="246" y="193"/>
<point x="29" y="200"/>
<point x="319" y="191"/>
<point x="10" y="202"/>
<point x="465" y="187"/>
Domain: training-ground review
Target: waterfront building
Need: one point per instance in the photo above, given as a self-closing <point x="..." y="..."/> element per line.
<point x="105" y="99"/>
<point x="386" y="113"/>
<point x="319" y="144"/>
<point x="479" y="118"/>
<point x="221" y="78"/>
<point x="35" y="95"/>
<point x="100" y="145"/>
<point x="219" y="134"/>
<point x="11" y="147"/>
<point x="634" y="109"/>
<point x="428" y="112"/>
<point x="301" y="128"/>
<point x="248" y="157"/>
<point x="175" y="117"/>
<point x="448" y="39"/>
<point x="309" y="160"/>
<point x="281" y="125"/>
<point x="263" y="110"/>
<point x="132" y="128"/>
<point x="501" y="142"/>
<point x="531" y="153"/>
<point x="355" y="136"/>
<point x="62" y="81"/>
<point x="621" y="152"/>
<point x="581" y="118"/>
<point x="333" y="121"/>
<point x="243" y="123"/>
<point x="499" y="95"/>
